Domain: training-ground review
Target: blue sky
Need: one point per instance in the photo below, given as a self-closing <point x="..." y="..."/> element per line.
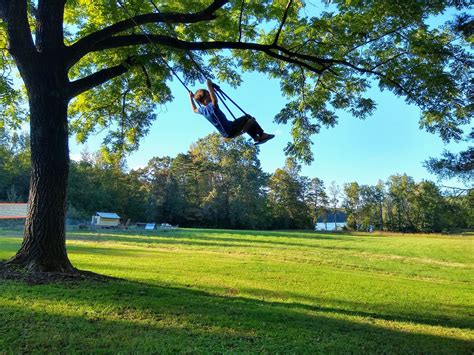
<point x="387" y="143"/>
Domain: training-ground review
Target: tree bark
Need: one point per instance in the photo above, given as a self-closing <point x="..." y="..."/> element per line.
<point x="44" y="243"/>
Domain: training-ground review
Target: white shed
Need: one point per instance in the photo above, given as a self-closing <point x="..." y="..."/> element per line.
<point x="105" y="219"/>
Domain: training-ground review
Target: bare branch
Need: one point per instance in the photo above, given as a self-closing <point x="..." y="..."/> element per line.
<point x="388" y="33"/>
<point x="84" y="45"/>
<point x="81" y="85"/>
<point x="283" y="20"/>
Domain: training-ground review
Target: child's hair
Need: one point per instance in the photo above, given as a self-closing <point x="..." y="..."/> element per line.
<point x="200" y="95"/>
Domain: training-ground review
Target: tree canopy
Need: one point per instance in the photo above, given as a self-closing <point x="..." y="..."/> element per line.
<point x="326" y="55"/>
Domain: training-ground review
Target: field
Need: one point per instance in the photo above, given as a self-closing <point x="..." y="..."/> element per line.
<point x="213" y="291"/>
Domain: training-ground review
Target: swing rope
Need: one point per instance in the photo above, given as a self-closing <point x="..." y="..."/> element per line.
<point x="225" y="96"/>
<point x="147" y="36"/>
<point x="196" y="64"/>
<point x="219" y="92"/>
<point x="222" y="99"/>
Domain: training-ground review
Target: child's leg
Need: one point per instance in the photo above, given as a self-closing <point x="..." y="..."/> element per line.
<point x="239" y="124"/>
<point x="255" y="131"/>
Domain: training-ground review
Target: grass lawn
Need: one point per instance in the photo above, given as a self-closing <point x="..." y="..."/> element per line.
<point x="211" y="291"/>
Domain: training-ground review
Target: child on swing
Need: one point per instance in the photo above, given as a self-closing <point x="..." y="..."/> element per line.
<point x="226" y="128"/>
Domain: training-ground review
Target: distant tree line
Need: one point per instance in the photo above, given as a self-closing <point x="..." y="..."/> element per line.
<point x="221" y="185"/>
<point x="402" y="205"/>
<point x="14" y="167"/>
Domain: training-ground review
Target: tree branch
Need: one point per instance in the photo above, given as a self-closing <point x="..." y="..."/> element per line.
<point x="240" y="19"/>
<point x="275" y="51"/>
<point x="303" y="56"/>
<point x="303" y="85"/>
<point x="291" y="59"/>
<point x="81" y="85"/>
<point x="271" y="50"/>
<point x="147" y="77"/>
<point x="283" y="20"/>
<point x="20" y="41"/>
<point x="84" y="45"/>
<point x="388" y="60"/>
<point x="458" y="191"/>
<point x="395" y="30"/>
<point x="379" y="74"/>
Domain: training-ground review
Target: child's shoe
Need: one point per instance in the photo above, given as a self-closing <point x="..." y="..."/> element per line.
<point x="264" y="138"/>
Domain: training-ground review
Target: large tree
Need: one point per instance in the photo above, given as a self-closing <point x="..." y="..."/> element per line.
<point x="287" y="198"/>
<point x="317" y="199"/>
<point x="235" y="192"/>
<point x="89" y="64"/>
<point x="352" y="204"/>
<point x="450" y="165"/>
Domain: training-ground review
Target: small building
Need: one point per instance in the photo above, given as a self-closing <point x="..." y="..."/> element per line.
<point x="106" y="220"/>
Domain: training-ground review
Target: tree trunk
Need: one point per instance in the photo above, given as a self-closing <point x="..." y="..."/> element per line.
<point x="381" y="216"/>
<point x="44" y="243"/>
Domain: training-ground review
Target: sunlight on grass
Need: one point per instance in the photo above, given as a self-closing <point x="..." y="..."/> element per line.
<point x="214" y="291"/>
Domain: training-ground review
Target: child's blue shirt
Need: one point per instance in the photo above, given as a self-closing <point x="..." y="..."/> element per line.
<point x="216" y="117"/>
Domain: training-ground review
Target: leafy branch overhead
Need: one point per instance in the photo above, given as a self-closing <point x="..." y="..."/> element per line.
<point x="326" y="56"/>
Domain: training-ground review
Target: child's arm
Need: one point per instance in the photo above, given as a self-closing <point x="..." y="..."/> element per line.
<point x="210" y="86"/>
<point x="193" y="105"/>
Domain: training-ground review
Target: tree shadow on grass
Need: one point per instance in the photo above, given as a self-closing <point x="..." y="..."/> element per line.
<point x="293" y="234"/>
<point x="124" y="316"/>
<point x="157" y="243"/>
<point x="203" y="233"/>
<point x="373" y="311"/>
<point x="204" y="241"/>
<point x="200" y="240"/>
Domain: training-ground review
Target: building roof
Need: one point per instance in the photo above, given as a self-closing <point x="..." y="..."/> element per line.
<point x="108" y="215"/>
